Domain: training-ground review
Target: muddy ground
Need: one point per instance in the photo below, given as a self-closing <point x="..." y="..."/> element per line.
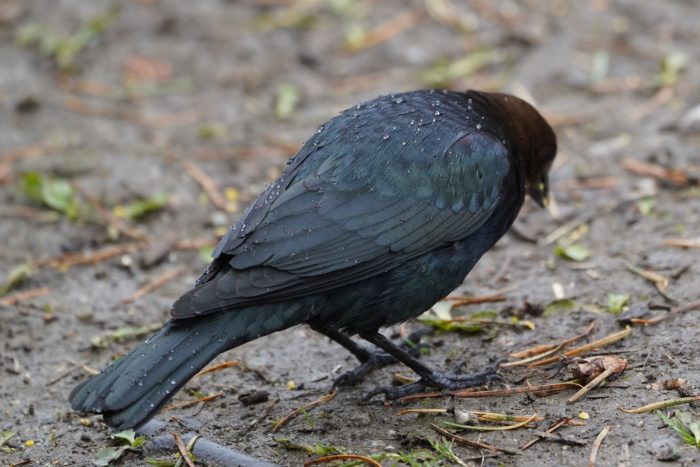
<point x="234" y="88"/>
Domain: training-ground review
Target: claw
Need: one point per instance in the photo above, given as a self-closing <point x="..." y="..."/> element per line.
<point x="450" y="381"/>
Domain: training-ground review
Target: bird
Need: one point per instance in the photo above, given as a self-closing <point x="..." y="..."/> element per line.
<point x="381" y="213"/>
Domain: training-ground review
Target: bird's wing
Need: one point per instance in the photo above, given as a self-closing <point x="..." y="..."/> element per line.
<point x="332" y="221"/>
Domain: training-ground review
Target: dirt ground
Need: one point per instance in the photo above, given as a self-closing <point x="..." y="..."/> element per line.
<point x="144" y="100"/>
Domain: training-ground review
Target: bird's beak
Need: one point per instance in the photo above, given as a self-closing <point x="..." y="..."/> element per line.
<point x="539" y="192"/>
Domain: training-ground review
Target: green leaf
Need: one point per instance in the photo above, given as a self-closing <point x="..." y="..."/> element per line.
<point x="205" y="253"/>
<point x="29" y="34"/>
<point x="646" y="206"/>
<point x="445" y="71"/>
<point x="129" y="436"/>
<point x="558" y="306"/>
<point x="141" y="207"/>
<point x="617" y="302"/>
<point x="287" y="100"/>
<point x="16" y="276"/>
<point x="160" y="462"/>
<point x="110" y="454"/>
<point x="5" y="436"/>
<point x="575" y="252"/>
<point x="55" y="193"/>
<point x="684" y="424"/>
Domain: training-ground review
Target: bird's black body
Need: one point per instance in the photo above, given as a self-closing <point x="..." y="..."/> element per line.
<point x="382" y="213"/>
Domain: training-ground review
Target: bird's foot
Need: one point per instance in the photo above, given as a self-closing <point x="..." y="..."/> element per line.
<point x="450" y="381"/>
<point x="379" y="359"/>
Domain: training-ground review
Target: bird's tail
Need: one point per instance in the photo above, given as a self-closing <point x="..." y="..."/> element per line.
<point x="132" y="389"/>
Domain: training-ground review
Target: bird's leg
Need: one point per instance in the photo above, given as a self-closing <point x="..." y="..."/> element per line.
<point x="369" y="359"/>
<point x="451" y="380"/>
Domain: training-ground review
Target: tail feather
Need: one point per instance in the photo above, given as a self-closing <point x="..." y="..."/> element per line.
<point x="132" y="389"/>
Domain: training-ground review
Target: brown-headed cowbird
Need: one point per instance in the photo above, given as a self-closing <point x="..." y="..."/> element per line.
<point x="381" y="213"/>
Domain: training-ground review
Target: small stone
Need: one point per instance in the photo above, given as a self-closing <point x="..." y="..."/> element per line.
<point x="665" y="450"/>
<point x="464" y="417"/>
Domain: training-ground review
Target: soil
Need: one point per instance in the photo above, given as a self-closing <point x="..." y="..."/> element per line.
<point x="205" y="83"/>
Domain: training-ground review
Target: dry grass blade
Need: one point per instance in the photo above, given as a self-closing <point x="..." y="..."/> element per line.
<point x="573" y="224"/>
<point x="24" y="295"/>
<point x="343" y="457"/>
<point x="514" y="426"/>
<point x="388" y="29"/>
<point x="659" y="281"/>
<point x="195" y="244"/>
<point x="596" y="445"/>
<point x="609" y="339"/>
<point x="207" y="184"/>
<point x="467" y="442"/>
<point x="182" y="405"/>
<point x="410" y="411"/>
<point x="218" y="367"/>
<point x="662" y="405"/>
<point x="590" y="386"/>
<point x="153" y="284"/>
<point x="682" y="242"/>
<point x="183" y="449"/>
<point x="481" y="416"/>
<point x="534" y="358"/>
<point x="295" y="413"/>
<point x="539" y="349"/>
<point x="587" y="368"/>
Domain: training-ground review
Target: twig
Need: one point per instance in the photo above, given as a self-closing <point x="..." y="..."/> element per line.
<point x="336" y="457"/>
<point x="24" y="295"/>
<point x="558" y="424"/>
<point x="266" y="411"/>
<point x="153" y="284"/>
<point x="67" y="260"/>
<point x="674" y="176"/>
<point x="596" y="445"/>
<point x="183" y="449"/>
<point x="662" y="405"/>
<point x="185" y="404"/>
<point x="218" y="367"/>
<point x="460" y="301"/>
<point x="207" y="184"/>
<point x="63" y="374"/>
<point x="592" y="183"/>
<point x="545" y="389"/>
<point x="674" y="311"/>
<point x="287" y="418"/>
<point x="609" y="339"/>
<point x="467" y="442"/>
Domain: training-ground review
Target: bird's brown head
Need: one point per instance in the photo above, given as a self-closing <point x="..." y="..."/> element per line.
<point x="532" y="139"/>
